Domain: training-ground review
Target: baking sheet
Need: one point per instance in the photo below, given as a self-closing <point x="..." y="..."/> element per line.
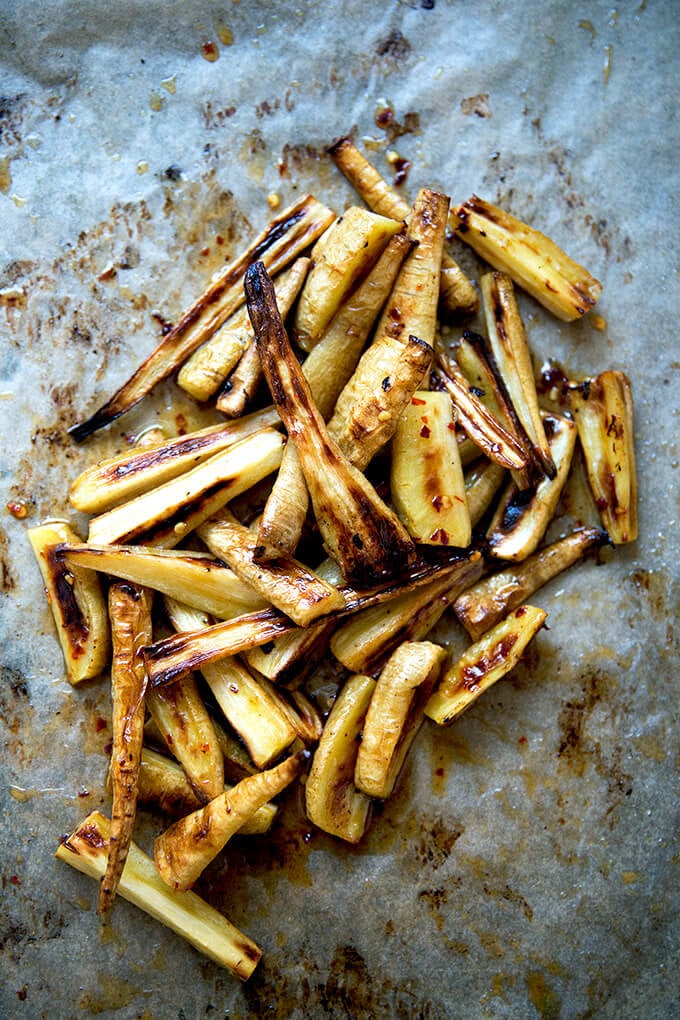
<point x="526" y="867"/>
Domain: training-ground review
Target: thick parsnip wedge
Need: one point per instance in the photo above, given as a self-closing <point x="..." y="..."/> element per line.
<point x="369" y="637"/>
<point x="299" y="710"/>
<point x="75" y="597"/>
<point x="242" y="385"/>
<point x="332" y="801"/>
<point x="165" y="515"/>
<point x="482" y="482"/>
<point x="127" y="475"/>
<point x="184" y="850"/>
<point x="521" y="519"/>
<point x="254" y="711"/>
<point x="344" y="255"/>
<point x="480" y="425"/>
<point x="207" y="368"/>
<point x="528" y="257"/>
<point x="426" y="477"/>
<point x="395" y="715"/>
<point x="480" y="369"/>
<point x="508" y="341"/>
<point x="327" y="370"/>
<point x="286" y="583"/>
<point x="369" y="408"/>
<point x="185" y="913"/>
<point x="183" y="721"/>
<point x="603" y="409"/>
<point x="359" y="530"/>
<point x="192" y="577"/>
<point x="481" y="607"/>
<point x="411" y="309"/>
<point x="457" y="297"/>
<point x="130" y="614"/>
<point x="163" y="784"/>
<point x="286" y="237"/>
<point x="485" y="662"/>
<point x="173" y="657"/>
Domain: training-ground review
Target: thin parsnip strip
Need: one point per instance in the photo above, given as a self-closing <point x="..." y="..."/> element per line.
<point x="508" y="341"/>
<point x="331" y="799"/>
<point x="521" y="518"/>
<point x="528" y="257"/>
<point x="127" y="475"/>
<point x="184" y="850"/>
<point x="207" y="368"/>
<point x="286" y="583"/>
<point x="196" y="578"/>
<point x="480" y="425"/>
<point x="603" y="410"/>
<point x="395" y="715"/>
<point x="485" y="662"/>
<point x="482" y="606"/>
<point x="242" y="385"/>
<point x="284" y="238"/>
<point x="457" y="297"/>
<point x="184" y="724"/>
<point x="163" y="784"/>
<point x="185" y="913"/>
<point x="359" y="530"/>
<point x="482" y="482"/>
<point x="76" y="600"/>
<point x="344" y="255"/>
<point x="130" y="615"/>
<point x="166" y="514"/>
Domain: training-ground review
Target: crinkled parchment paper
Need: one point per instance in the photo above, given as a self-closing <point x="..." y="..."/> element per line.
<point x="526" y="866"/>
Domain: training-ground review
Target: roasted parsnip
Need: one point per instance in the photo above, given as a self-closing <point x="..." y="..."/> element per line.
<point x="346" y="253"/>
<point x="207" y="368"/>
<point x="130" y="615"/>
<point x="75" y="597"/>
<point x="395" y="715"/>
<point x="286" y="237"/>
<point x="521" y="519"/>
<point x="426" y="477"/>
<point x="485" y="662"/>
<point x="165" y="515"/>
<point x="508" y="342"/>
<point x="241" y="386"/>
<point x="457" y="297"/>
<point x="332" y="801"/>
<point x="529" y="258"/>
<point x="285" y="583"/>
<point x="359" y="530"/>
<point x="183" y="721"/>
<point x="482" y="606"/>
<point x="163" y="784"/>
<point x="482" y="482"/>
<point x="186" y="913"/>
<point x="603" y="409"/>
<point x="121" y="478"/>
<point x="196" y="578"/>
<point x="184" y="850"/>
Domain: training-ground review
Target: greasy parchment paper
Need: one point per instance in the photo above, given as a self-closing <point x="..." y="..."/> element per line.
<point x="526" y="867"/>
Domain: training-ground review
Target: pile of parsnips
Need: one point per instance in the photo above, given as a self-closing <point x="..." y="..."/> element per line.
<point x="403" y="475"/>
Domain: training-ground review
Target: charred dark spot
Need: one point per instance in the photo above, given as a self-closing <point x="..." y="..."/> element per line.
<point x="515" y="509"/>
<point x="472" y="674"/>
<point x="173" y="173"/>
<point x="401" y="167"/>
<point x="90" y="835"/>
<point x="386" y="384"/>
<point x="71" y="615"/>
<point x="395" y="45"/>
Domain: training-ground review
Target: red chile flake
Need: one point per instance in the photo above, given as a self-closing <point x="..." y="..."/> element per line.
<point x="384" y="116"/>
<point x="426" y="431"/>
<point x="210" y="51"/>
<point x="417" y="402"/>
<point x="100" y="724"/>
<point x="401" y="169"/>
<point x="18" y="509"/>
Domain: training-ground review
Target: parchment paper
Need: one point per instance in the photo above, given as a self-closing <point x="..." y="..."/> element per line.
<point x="527" y="865"/>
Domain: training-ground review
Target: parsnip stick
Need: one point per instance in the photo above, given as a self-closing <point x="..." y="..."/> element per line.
<point x="457" y="297"/>
<point x="165" y="515"/>
<point x="184" y="850"/>
<point x="482" y="606"/>
<point x="241" y="386"/>
<point x="187" y="914"/>
<point x="508" y="342"/>
<point x="485" y="662"/>
<point x="130" y="614"/>
<point x="207" y="368"/>
<point x="360" y="531"/>
<point x="482" y="483"/>
<point x="282" y="240"/>
<point x="121" y="478"/>
<point x="529" y="258"/>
